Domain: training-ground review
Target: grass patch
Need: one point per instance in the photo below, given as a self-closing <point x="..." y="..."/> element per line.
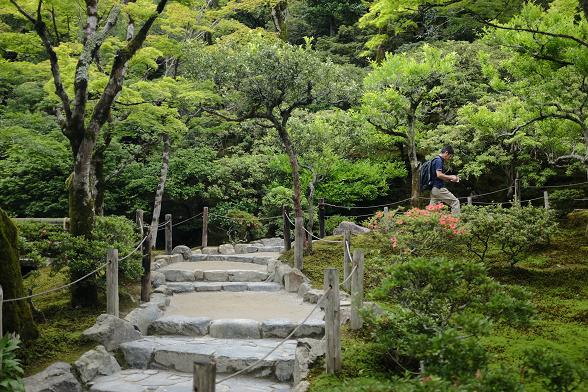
<point x="60" y="326"/>
<point x="555" y="276"/>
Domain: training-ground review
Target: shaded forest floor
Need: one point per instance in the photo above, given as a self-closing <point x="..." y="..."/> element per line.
<point x="556" y="278"/>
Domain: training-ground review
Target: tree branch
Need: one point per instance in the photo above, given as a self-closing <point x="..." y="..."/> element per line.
<point x="385" y="130"/>
<point x="41" y="30"/>
<point x="527" y="30"/>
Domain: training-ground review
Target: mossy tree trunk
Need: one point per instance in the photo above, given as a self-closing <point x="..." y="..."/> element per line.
<point x="17" y="315"/>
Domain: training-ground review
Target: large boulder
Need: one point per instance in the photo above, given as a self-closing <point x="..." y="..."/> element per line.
<point x="157" y="279"/>
<point x="352" y="227"/>
<point x="144" y="315"/>
<point x="184" y="251"/>
<point x="307" y="351"/>
<point x="17" y="315"/>
<point x="111" y="331"/>
<point x="56" y="378"/>
<point x="226" y="249"/>
<point x="97" y="362"/>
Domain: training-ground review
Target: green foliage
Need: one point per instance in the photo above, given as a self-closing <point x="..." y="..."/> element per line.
<point x="438" y="310"/>
<point x="10" y="368"/>
<point x="562" y="200"/>
<point x="558" y="373"/>
<point x="239" y="226"/>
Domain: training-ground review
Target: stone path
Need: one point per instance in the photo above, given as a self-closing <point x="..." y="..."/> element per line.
<point x="229" y="307"/>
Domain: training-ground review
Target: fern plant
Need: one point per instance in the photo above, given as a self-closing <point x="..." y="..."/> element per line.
<point x="10" y="369"/>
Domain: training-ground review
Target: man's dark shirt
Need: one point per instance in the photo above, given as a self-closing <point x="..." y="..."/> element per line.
<point x="437" y="165"/>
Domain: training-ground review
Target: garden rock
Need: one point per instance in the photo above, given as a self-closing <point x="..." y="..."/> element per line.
<point x="312" y="296"/>
<point x="282" y="270"/>
<point x="183" y="250"/>
<point x="180" y="325"/>
<point x="157" y="279"/>
<point x="210" y="250"/>
<point x="226" y="249"/>
<point x="352" y="227"/>
<point x="276" y="241"/>
<point x="303" y="289"/>
<point x="56" y="378"/>
<point x="97" y="362"/>
<point x="111" y="331"/>
<point x="143" y="316"/>
<point x="307" y="351"/>
<point x="235" y="329"/>
<point x="293" y="280"/>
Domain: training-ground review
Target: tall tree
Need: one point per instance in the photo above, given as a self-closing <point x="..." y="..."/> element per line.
<point x="267" y="80"/>
<point x="400" y="92"/>
<point x="81" y="120"/>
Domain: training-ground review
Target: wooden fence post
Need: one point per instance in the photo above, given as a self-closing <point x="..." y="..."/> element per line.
<point x="517" y="192"/>
<point x="1" y="299"/>
<point x="321" y="214"/>
<point x="287" y="239"/>
<point x="204" y="375"/>
<point x="332" y="321"/>
<point x="386" y="210"/>
<point x="205" y="227"/>
<point x="346" y="260"/>
<point x="546" y="199"/>
<point x="112" y="282"/>
<point x="470" y="202"/>
<point x="168" y="234"/>
<point x="357" y="289"/>
<point x="146" y="278"/>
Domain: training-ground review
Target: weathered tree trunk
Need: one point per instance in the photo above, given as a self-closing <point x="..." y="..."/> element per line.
<point x="412" y="158"/>
<point x="279" y="13"/>
<point x="296" y="197"/>
<point x="160" y="188"/>
<point x="16" y="315"/>
<point x="310" y="224"/>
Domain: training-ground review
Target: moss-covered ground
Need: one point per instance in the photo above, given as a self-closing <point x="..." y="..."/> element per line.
<point x="60" y="325"/>
<point x="556" y="276"/>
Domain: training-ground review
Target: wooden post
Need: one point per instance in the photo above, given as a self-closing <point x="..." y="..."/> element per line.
<point x="299" y="235"/>
<point x="168" y="234"/>
<point x="546" y="199"/>
<point x="332" y="321"/>
<point x="386" y="210"/>
<point x="321" y="214"/>
<point x="112" y="282"/>
<point x="205" y="227"/>
<point x="346" y="260"/>
<point x="357" y="289"/>
<point x="470" y="201"/>
<point x="204" y="375"/>
<point x="1" y="299"/>
<point x="287" y="239"/>
<point x="146" y="278"/>
<point x="517" y="192"/>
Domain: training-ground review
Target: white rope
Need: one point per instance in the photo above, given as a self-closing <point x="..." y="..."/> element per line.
<point x="353" y="216"/>
<point x="75" y="281"/>
<point x="312" y="235"/>
<point x="186" y="220"/>
<point x="349" y="277"/>
<point x="348" y="250"/>
<point x="360" y="207"/>
<point x="558" y="186"/>
<point x="484" y="194"/>
<point x="279" y="344"/>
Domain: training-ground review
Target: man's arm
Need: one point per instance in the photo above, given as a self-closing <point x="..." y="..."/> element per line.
<point x="445" y="177"/>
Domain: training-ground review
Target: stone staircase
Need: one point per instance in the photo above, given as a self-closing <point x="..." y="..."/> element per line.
<point x="228" y="306"/>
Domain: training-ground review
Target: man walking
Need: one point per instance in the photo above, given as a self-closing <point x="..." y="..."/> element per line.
<point x="439" y="193"/>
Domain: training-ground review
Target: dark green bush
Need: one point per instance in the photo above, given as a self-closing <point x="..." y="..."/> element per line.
<point x="557" y="373"/>
<point x="562" y="200"/>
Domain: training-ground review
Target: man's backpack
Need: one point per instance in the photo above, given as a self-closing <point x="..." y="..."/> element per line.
<point x="426" y="175"/>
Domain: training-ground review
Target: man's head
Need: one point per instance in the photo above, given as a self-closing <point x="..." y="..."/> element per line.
<point x="446" y="152"/>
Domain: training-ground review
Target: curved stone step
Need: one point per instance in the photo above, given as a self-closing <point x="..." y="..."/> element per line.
<point x="179" y="353"/>
<point x="141" y="380"/>
<point x="235" y="328"/>
<point x="210" y="275"/>
<point x="186" y="287"/>
<point x="257" y="258"/>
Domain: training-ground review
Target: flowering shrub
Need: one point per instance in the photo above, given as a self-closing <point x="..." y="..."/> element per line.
<point x="418" y="231"/>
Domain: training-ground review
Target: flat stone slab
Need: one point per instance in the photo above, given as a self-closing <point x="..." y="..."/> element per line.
<point x="139" y="380"/>
<point x="259" y="306"/>
<point x="179" y="353"/>
<point x="215" y="271"/>
<point x="186" y="287"/>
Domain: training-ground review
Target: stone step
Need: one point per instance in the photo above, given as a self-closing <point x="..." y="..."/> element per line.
<point x="186" y="287"/>
<point x="235" y="328"/>
<point x="141" y="380"/>
<point x="179" y="353"/>
<point x="261" y="258"/>
<point x="208" y="275"/>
